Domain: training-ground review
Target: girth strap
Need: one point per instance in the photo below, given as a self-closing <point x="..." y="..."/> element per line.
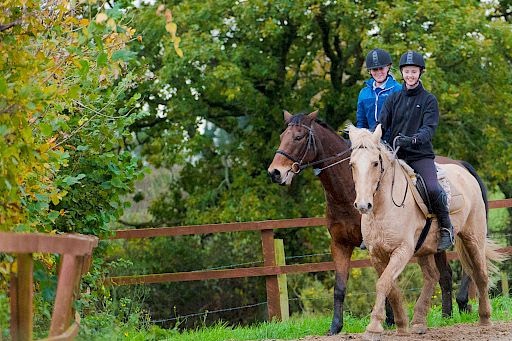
<point x="423" y="234"/>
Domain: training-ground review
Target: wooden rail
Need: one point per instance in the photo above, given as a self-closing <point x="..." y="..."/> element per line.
<point x="75" y="251"/>
<point x="269" y="269"/>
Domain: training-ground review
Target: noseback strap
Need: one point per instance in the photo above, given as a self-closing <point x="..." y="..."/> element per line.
<point x="282" y="152"/>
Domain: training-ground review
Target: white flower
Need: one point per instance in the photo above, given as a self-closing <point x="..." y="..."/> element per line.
<point x="427" y="24"/>
<point x="149" y="74"/>
<point x="161" y="111"/>
<point x="195" y="93"/>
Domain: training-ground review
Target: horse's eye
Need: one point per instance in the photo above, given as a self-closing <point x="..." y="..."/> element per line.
<point x="298" y="137"/>
<point x="350" y="165"/>
<point x="375" y="163"/>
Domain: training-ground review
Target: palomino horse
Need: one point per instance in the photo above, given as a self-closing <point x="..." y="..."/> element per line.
<point x="307" y="142"/>
<point x="392" y="223"/>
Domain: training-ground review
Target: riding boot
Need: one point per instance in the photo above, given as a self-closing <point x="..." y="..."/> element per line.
<point x="440" y="206"/>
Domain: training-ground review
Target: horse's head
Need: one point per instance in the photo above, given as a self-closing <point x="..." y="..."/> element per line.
<point x="367" y="165"/>
<point x="297" y="148"/>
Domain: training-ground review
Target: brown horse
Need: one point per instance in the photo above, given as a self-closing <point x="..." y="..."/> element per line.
<point x="391" y="231"/>
<point x="308" y="142"/>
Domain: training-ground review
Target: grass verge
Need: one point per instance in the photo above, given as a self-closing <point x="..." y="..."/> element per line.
<point x="296" y="327"/>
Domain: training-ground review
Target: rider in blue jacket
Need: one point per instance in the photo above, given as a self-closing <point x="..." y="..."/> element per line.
<point x="377" y="89"/>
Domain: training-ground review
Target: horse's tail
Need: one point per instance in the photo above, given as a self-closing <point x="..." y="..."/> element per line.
<point x="483" y="189"/>
<point x="492" y="257"/>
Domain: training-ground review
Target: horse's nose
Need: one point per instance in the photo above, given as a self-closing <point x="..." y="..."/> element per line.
<point x="363" y="208"/>
<point x="275" y="175"/>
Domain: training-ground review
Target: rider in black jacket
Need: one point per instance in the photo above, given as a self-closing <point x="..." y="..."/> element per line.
<point x="412" y="116"/>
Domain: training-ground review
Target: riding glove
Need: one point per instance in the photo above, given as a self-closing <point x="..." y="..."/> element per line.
<point x="405" y="141"/>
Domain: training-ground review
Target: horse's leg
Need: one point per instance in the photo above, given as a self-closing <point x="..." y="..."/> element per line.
<point x="476" y="250"/>
<point x="397" y="303"/>
<point x="395" y="266"/>
<point x="390" y="319"/>
<point x="341" y="256"/>
<point x="463" y="294"/>
<point x="422" y="306"/>
<point x="445" y="282"/>
<point x="394" y="302"/>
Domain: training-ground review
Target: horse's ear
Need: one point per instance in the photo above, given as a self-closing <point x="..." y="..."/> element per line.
<point x="377" y="134"/>
<point x="350" y="128"/>
<point x="287" y="115"/>
<point x="313" y="115"/>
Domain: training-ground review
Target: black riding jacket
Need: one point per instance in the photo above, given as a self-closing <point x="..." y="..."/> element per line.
<point x="415" y="113"/>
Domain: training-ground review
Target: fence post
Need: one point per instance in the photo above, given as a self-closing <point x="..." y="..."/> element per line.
<point x="269" y="259"/>
<point x="281" y="281"/>
<point x="21" y="298"/>
<point x="504" y="284"/>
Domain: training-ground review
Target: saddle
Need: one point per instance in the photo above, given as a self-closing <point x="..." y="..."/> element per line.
<point x="419" y="192"/>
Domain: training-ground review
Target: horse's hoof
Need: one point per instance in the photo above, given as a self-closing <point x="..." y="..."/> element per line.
<point x="390" y="322"/>
<point x="369" y="336"/>
<point x="419" y="329"/>
<point x="374" y="327"/>
<point x="465" y="308"/>
<point x="485" y="322"/>
<point x="402" y="332"/>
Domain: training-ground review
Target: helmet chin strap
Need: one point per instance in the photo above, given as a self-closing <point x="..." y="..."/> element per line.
<point x="419" y="78"/>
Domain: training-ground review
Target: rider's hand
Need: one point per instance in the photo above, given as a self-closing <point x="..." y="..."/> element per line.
<point x="405" y="141"/>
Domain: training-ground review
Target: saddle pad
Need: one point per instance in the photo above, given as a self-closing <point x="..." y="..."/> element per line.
<point x="453" y="195"/>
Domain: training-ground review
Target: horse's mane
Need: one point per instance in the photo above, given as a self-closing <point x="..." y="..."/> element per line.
<point x="298" y="118"/>
<point x="364" y="138"/>
<point x="326" y="126"/>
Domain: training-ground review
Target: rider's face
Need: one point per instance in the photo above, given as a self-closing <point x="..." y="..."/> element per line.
<point x="411" y="75"/>
<point x="380" y="74"/>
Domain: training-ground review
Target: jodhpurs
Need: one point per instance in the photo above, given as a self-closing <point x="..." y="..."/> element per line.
<point x="427" y="169"/>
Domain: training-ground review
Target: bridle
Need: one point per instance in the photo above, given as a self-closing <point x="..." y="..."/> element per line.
<point x="298" y="164"/>
<point x="381" y="176"/>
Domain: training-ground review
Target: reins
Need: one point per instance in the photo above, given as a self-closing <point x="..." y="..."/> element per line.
<point x="395" y="158"/>
<point x="383" y="172"/>
<point x="298" y="166"/>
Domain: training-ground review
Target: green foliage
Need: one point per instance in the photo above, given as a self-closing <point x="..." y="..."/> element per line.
<point x="64" y="115"/>
<point x="65" y="165"/>
<point x="4" y="314"/>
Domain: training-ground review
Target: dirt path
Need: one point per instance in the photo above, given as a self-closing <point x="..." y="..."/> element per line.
<point x="499" y="331"/>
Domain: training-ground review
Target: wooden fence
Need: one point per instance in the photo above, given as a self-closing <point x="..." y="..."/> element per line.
<point x="75" y="251"/>
<point x="270" y="269"/>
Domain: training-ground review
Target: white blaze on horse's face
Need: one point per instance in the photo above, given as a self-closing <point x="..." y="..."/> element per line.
<point x="366" y="165"/>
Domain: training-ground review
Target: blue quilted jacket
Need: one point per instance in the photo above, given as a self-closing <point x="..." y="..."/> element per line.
<point x="371" y="101"/>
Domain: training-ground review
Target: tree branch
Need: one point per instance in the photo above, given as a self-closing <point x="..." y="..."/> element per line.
<point x="9" y="25"/>
<point x="146" y="224"/>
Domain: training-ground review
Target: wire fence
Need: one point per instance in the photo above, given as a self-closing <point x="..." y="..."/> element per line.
<point x="205" y="313"/>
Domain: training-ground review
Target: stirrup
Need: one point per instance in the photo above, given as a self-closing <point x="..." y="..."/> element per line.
<point x="442" y="245"/>
<point x="450" y="232"/>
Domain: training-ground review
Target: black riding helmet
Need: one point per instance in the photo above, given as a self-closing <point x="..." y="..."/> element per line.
<point x="377" y="58"/>
<point x="412" y="58"/>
